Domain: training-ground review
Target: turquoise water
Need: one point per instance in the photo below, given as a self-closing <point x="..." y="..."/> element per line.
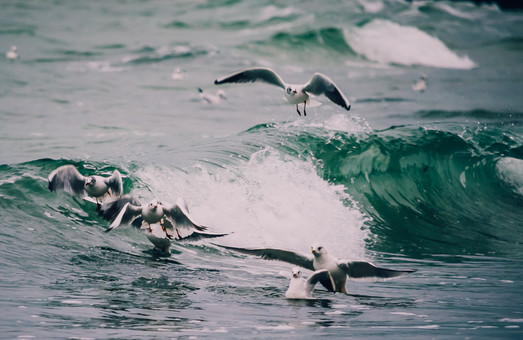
<point x="427" y="180"/>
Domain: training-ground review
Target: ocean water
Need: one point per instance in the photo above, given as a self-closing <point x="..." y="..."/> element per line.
<point x="430" y="180"/>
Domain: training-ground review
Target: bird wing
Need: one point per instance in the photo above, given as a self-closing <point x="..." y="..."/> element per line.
<point x="198" y="235"/>
<point x="115" y="183"/>
<point x="110" y="210"/>
<point x="67" y="178"/>
<point x="292" y="257"/>
<point x="127" y="215"/>
<point x="321" y="84"/>
<point x="252" y="75"/>
<point x="179" y="215"/>
<point x="366" y="271"/>
<point x="320" y="276"/>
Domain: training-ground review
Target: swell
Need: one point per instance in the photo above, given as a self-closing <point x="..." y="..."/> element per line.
<point x="326" y="42"/>
<point x="429" y="190"/>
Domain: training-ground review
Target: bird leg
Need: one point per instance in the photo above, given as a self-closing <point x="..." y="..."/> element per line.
<point x="165" y="230"/>
<point x="298" y="110"/>
<point x="304" y="106"/>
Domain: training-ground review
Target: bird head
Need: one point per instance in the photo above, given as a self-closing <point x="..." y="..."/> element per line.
<point x="153" y="205"/>
<point x="291" y="91"/>
<point x="90" y="181"/>
<point x="318" y="251"/>
<point x="296" y="272"/>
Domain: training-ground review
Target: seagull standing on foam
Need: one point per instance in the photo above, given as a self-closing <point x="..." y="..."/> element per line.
<point x="301" y="288"/>
<point x="69" y="179"/>
<point x="295" y="94"/>
<point x="320" y="259"/>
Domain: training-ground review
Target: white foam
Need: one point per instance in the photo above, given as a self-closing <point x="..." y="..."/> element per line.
<point x="510" y="170"/>
<point x="371" y="6"/>
<point x="272" y="200"/>
<point x="388" y="42"/>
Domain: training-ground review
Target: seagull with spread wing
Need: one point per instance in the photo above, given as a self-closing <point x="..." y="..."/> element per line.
<point x="295" y="94"/>
<point x="320" y="259"/>
<point x="69" y="179"/>
<point x="174" y="219"/>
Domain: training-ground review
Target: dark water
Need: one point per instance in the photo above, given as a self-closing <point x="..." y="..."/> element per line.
<point x="427" y="180"/>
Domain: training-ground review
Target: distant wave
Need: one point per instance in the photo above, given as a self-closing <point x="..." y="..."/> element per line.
<point x="387" y="42"/>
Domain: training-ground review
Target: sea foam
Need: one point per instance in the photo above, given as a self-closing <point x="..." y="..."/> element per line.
<point x="272" y="200"/>
<point x="388" y="42"/>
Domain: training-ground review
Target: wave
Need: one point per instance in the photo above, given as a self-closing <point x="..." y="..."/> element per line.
<point x="326" y="42"/>
<point x="384" y="41"/>
<point x="406" y="189"/>
<point x="149" y="54"/>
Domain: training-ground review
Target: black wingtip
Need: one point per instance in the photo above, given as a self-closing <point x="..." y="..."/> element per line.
<point x="108" y="230"/>
<point x="348" y="108"/>
<point x="216" y="82"/>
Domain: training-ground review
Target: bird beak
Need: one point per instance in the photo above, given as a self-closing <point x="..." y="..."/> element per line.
<point x="294" y="91"/>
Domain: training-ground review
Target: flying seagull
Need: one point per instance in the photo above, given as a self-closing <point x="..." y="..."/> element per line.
<point x="69" y="179"/>
<point x="301" y="288"/>
<point x="295" y="94"/>
<point x="321" y="259"/>
<point x="174" y="219"/>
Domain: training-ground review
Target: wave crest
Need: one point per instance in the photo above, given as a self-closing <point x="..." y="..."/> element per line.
<point x="387" y="42"/>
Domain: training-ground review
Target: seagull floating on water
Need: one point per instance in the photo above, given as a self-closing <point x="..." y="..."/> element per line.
<point x="421" y="84"/>
<point x="12" y="54"/>
<point x="320" y="259"/>
<point x="301" y="288"/>
<point x="69" y="179"/>
<point x="179" y="74"/>
<point x="174" y="219"/>
<point x="210" y="98"/>
<point x="295" y="94"/>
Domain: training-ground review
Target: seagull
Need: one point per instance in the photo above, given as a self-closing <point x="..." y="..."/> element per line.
<point x="212" y="98"/>
<point x="179" y="74"/>
<point x="69" y="179"/>
<point x="421" y="84"/>
<point x="295" y="94"/>
<point x="301" y="288"/>
<point x="12" y="54"/>
<point x="321" y="259"/>
<point x="174" y="219"/>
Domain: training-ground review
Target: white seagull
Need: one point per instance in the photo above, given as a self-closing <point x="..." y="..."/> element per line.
<point x="295" y="94"/>
<point x="174" y="219"/>
<point x="69" y="179"/>
<point x="421" y="84"/>
<point x="320" y="259"/>
<point x="12" y="54"/>
<point x="210" y="98"/>
<point x="301" y="288"/>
